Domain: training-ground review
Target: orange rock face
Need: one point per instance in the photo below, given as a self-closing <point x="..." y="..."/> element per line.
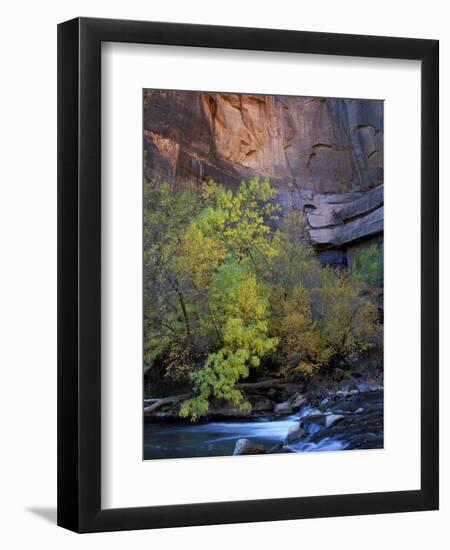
<point x="307" y="147"/>
<point x="326" y="145"/>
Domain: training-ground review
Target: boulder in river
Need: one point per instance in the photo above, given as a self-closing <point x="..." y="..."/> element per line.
<point x="295" y="434"/>
<point x="247" y="447"/>
<point x="368" y="387"/>
<point x="283" y="408"/>
<point x="332" y="419"/>
<point x="313" y="423"/>
<point x="298" y="401"/>
<point x="261" y="404"/>
<point x="228" y="410"/>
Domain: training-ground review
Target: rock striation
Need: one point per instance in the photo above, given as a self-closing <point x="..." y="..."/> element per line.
<point x="340" y="219"/>
<point x="324" y="155"/>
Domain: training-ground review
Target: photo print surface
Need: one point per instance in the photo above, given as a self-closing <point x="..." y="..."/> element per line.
<point x="263" y="274"/>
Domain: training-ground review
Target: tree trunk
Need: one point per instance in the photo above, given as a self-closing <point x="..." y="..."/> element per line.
<point x="183" y="308"/>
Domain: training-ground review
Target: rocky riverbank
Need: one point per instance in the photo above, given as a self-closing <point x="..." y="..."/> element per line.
<point x="352" y="420"/>
<point x="273" y="397"/>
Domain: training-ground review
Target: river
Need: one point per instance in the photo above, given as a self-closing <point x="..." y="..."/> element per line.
<point x="356" y="423"/>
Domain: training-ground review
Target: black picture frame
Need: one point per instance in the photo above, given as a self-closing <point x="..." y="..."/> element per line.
<point x="79" y="274"/>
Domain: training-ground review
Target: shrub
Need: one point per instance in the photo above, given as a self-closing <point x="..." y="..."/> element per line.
<point x="367" y="265"/>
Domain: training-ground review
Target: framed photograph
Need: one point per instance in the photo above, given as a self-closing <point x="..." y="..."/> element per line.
<point x="247" y="276"/>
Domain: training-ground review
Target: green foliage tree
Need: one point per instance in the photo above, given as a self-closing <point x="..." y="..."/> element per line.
<point x="294" y="261"/>
<point x="347" y="320"/>
<point x="169" y="307"/>
<point x="241" y="220"/>
<point x="222" y="251"/>
<point x="367" y="265"/>
<point x="240" y="307"/>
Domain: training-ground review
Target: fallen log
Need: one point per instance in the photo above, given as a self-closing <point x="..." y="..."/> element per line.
<point x="166" y="401"/>
<point x="264" y="384"/>
<point x="157" y="403"/>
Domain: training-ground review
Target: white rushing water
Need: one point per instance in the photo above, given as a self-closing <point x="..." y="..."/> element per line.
<point x="218" y="438"/>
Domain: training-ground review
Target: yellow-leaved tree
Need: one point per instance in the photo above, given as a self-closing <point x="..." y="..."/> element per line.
<point x="301" y="345"/>
<point x="241" y="309"/>
<point x="347" y="319"/>
<point x="222" y="252"/>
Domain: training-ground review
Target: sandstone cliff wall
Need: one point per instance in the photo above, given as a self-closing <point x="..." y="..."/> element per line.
<point x="325" y="155"/>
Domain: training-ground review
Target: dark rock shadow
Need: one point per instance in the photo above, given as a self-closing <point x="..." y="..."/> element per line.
<point x="46" y="513"/>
